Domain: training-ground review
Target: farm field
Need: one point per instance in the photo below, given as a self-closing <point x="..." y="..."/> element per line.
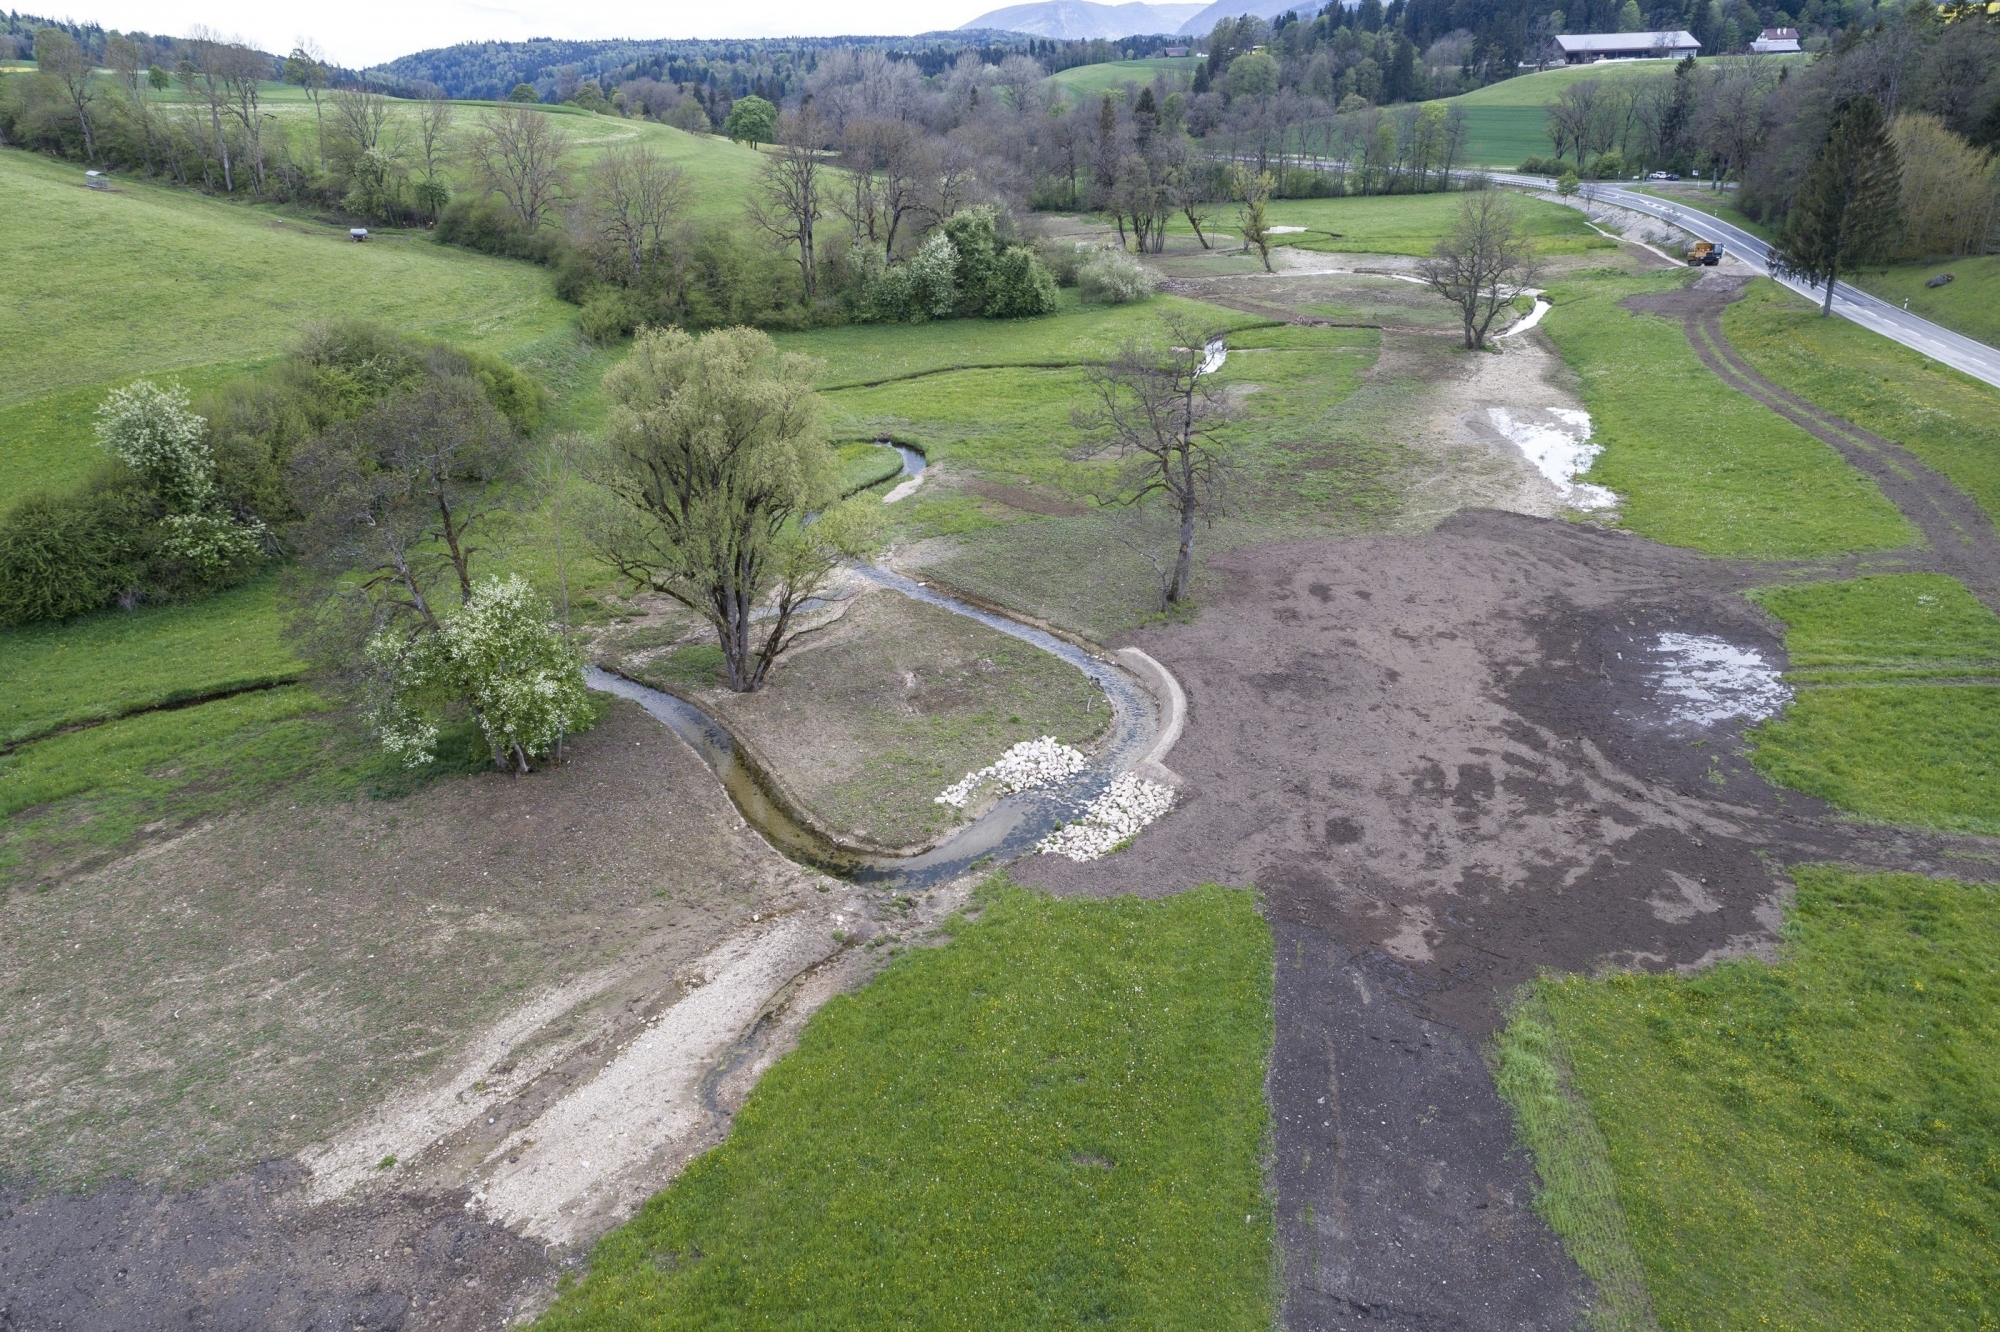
<point x="1694" y="462"/>
<point x="1969" y="305"/>
<point x="1412" y="224"/>
<point x="1800" y="1143"/>
<point x="1060" y="1109"/>
<point x="1096" y="80"/>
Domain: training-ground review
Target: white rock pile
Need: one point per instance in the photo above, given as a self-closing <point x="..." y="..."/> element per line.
<point x="1026" y="767"/>
<point x="1115" y="817"/>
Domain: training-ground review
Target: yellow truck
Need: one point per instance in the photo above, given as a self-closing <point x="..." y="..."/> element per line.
<point x="1705" y="254"/>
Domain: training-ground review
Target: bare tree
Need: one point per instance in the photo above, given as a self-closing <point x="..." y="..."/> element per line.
<point x="59" y="58"/>
<point x="306" y="68"/>
<point x="635" y="199"/>
<point x="434" y="118"/>
<point x="522" y="155"/>
<point x="791" y="196"/>
<point x="1157" y="410"/>
<point x="1190" y="186"/>
<point x="204" y="59"/>
<point x="244" y="70"/>
<point x="1576" y="119"/>
<point x="125" y="60"/>
<point x="393" y="504"/>
<point x="359" y="115"/>
<point x="1483" y="261"/>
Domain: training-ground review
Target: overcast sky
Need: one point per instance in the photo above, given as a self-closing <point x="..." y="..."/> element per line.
<point x="367" y="32"/>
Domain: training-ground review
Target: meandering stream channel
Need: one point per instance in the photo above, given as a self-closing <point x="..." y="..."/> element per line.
<point x="1008" y="830"/>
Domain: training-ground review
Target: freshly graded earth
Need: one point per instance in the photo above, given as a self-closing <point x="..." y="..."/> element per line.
<point x="1447" y="763"/>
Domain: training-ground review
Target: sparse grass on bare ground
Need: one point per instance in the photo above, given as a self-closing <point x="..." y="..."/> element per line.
<point x="236" y="995"/>
<point x="893" y="703"/>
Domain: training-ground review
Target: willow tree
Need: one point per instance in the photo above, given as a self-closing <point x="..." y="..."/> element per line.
<point x="715" y="459"/>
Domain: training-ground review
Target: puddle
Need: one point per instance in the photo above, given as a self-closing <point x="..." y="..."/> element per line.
<point x="1542" y="307"/>
<point x="1217" y="352"/>
<point x="1559" y="447"/>
<point x="1704" y="681"/>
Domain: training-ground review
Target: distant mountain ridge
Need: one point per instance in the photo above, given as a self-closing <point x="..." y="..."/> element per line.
<point x="1203" y="22"/>
<point x="1082" y="20"/>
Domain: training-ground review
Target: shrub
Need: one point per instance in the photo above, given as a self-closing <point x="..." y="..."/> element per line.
<point x="1542" y="166"/>
<point x="67" y="555"/>
<point x="922" y="287"/>
<point x="1607" y="166"/>
<point x="607" y="316"/>
<point x="1022" y="288"/>
<point x="1113" y="277"/>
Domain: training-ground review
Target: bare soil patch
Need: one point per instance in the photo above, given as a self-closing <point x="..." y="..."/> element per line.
<point x="868" y="719"/>
<point x="1447" y="762"/>
<point x="271" y="981"/>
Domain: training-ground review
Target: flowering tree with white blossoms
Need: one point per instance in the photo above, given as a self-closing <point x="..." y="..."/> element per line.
<point x="151" y="430"/>
<point x="503" y="656"/>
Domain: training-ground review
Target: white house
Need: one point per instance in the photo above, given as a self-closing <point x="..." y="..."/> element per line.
<point x="1585" y="48"/>
<point x="1777" y="41"/>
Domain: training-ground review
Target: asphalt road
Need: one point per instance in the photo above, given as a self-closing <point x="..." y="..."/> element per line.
<point x="1940" y="344"/>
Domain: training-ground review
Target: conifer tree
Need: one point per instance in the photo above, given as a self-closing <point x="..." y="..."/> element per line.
<point x="1847" y="211"/>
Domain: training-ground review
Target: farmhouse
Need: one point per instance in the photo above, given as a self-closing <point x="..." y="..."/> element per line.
<point x="1776" y="41"/>
<point x="1586" y="48"/>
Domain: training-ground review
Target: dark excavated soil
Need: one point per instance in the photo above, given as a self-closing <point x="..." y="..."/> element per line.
<point x="248" y="1253"/>
<point x="1444" y="762"/>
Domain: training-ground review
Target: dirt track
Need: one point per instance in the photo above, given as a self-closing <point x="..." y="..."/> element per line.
<point x="1444" y="762"/>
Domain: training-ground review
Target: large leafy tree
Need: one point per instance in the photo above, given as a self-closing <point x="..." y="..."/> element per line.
<point x="1847" y="211"/>
<point x="715" y="459"/>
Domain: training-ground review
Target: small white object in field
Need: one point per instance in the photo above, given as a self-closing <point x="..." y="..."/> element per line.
<point x="1282" y="231"/>
<point x="357" y="233"/>
<point x="1707" y="680"/>
<point x="1026" y="767"/>
<point x="1559" y="449"/>
<point x="1128" y="805"/>
<point x="1218" y="352"/>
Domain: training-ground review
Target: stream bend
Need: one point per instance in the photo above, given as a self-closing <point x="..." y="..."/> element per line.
<point x="1007" y="831"/>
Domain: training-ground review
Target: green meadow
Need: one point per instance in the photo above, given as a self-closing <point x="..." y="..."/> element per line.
<point x="1808" y="1143"/>
<point x="1412" y="224"/>
<point x="1696" y="463"/>
<point x="1054" y="1120"/>
<point x="1096" y="80"/>
<point x="1897" y="714"/>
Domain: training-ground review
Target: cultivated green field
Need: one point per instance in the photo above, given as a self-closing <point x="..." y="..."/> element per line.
<point x="1055" y="1120"/>
<point x="1096" y="80"/>
<point x="1806" y="1144"/>
<point x="1897" y="716"/>
<point x="1413" y="223"/>
<point x="1950" y="420"/>
<point x="1694" y="462"/>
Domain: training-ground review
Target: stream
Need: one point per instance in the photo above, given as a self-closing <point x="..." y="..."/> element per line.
<point x="1008" y="830"/>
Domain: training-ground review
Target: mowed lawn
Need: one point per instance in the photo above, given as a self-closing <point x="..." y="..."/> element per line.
<point x="1055" y="1120"/>
<point x="1811" y="1144"/>
<point x="1696" y="463"/>
<point x="1897" y="715"/>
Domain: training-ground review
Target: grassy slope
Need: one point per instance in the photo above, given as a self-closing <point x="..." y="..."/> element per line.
<point x="1413" y="224"/>
<point x="1057" y="1119"/>
<point x="1969" y="305"/>
<point x="1095" y="80"/>
<point x="1949" y="420"/>
<point x="104" y="665"/>
<point x="1883" y="724"/>
<point x="150" y="281"/>
<point x="1506" y="122"/>
<point x="1805" y="1145"/>
<point x="1697" y="463"/>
